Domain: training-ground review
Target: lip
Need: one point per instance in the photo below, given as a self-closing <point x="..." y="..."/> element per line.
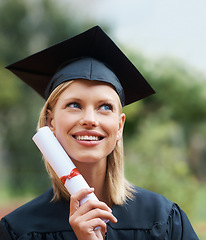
<point x="89" y="134"/>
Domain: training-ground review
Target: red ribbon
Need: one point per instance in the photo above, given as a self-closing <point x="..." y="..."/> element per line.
<point x="74" y="172"/>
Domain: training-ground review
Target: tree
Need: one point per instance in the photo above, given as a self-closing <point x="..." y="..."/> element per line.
<point x="165" y="133"/>
<point x="26" y="27"/>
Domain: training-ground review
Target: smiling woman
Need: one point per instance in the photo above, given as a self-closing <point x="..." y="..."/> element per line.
<point x="89" y="109"/>
<point x="86" y="80"/>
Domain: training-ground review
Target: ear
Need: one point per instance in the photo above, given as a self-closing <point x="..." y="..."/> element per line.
<point x="122" y="119"/>
<point x="50" y="120"/>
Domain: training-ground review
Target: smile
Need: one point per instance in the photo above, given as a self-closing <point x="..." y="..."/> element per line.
<point x="88" y="138"/>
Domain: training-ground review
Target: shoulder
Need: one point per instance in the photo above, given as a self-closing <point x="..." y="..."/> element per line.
<point x="145" y="209"/>
<point x="157" y="205"/>
<point x="150" y="216"/>
<point x="37" y="215"/>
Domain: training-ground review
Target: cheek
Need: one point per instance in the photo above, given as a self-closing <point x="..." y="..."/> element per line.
<point x="113" y="127"/>
<point x="64" y="124"/>
<point x="113" y="131"/>
<point x="62" y="120"/>
<point x="59" y="126"/>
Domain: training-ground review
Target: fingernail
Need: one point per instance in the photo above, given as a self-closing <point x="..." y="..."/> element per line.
<point x="115" y="219"/>
<point x="109" y="209"/>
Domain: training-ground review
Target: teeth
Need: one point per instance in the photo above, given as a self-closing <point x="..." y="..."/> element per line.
<point x="87" y="138"/>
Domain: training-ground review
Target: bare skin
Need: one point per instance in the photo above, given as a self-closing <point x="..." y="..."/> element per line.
<point x="89" y="108"/>
<point x="85" y="219"/>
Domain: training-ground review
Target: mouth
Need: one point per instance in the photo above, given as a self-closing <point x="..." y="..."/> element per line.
<point x="87" y="138"/>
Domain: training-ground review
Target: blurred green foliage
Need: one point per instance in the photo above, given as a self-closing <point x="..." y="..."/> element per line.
<point x="165" y="134"/>
<point x="26" y="27"/>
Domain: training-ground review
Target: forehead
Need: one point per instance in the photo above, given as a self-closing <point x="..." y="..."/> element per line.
<point x="80" y="86"/>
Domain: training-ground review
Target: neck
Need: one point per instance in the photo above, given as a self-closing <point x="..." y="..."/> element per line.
<point x="94" y="174"/>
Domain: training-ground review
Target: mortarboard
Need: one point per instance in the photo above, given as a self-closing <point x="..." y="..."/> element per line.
<point x="92" y="49"/>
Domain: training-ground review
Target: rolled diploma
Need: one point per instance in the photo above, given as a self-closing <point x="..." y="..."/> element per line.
<point x="60" y="161"/>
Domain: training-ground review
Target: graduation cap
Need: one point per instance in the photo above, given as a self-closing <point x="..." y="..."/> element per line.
<point x="90" y="55"/>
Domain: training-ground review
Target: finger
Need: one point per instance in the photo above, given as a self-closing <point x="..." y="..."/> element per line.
<point x="98" y="226"/>
<point x="82" y="193"/>
<point x="84" y="210"/>
<point x="94" y="228"/>
<point x="93" y="204"/>
<point x="98" y="213"/>
<point x="75" y="198"/>
<point x="94" y="225"/>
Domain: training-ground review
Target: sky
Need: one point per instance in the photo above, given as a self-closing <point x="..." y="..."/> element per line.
<point x="157" y="28"/>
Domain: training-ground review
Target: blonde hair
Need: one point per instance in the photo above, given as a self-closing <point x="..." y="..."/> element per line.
<point x="118" y="188"/>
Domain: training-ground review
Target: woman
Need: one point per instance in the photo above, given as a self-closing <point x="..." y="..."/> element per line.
<point x="86" y="81"/>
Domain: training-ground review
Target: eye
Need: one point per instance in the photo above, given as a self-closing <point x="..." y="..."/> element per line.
<point x="74" y="105"/>
<point x="106" y="107"/>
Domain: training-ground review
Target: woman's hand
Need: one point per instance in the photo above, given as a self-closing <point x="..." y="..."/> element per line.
<point x="86" y="218"/>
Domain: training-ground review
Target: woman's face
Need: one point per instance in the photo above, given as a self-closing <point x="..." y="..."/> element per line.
<point x="87" y="120"/>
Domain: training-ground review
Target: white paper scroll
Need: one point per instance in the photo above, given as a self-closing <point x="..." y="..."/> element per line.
<point x="60" y="161"/>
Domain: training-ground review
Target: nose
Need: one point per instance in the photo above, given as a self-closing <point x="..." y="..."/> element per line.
<point x="89" y="118"/>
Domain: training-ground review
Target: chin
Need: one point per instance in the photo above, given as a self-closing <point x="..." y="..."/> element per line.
<point x="87" y="159"/>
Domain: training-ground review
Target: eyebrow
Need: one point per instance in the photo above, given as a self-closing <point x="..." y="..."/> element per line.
<point x="72" y="99"/>
<point x="105" y="99"/>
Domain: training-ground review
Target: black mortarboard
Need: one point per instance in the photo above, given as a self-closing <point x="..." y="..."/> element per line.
<point x="43" y="70"/>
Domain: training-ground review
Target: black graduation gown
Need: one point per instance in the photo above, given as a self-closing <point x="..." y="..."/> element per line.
<point x="148" y="216"/>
